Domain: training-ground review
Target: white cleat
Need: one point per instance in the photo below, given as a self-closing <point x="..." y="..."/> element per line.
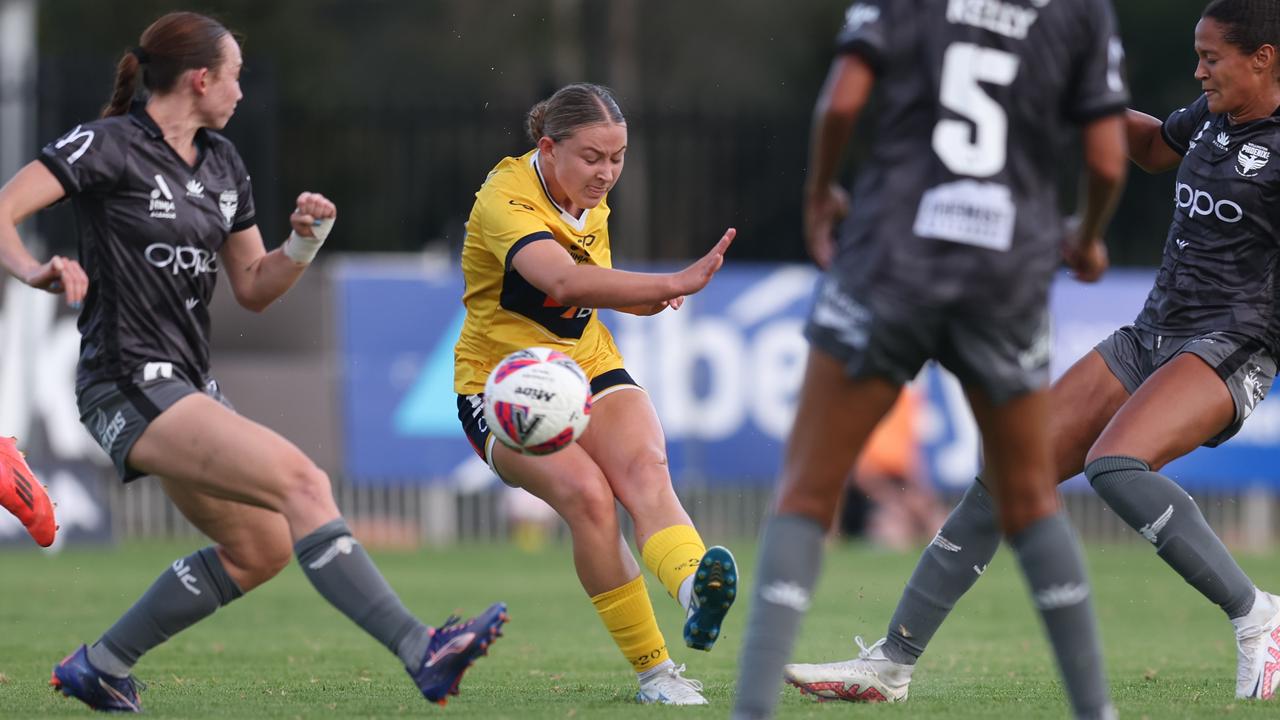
<point x="1258" y="656"/>
<point x="671" y="687"/>
<point x="870" y="677"/>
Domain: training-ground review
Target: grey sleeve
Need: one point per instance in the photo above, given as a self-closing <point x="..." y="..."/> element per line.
<point x="89" y="158"/>
<point x="1180" y="128"/>
<point x="866" y="32"/>
<point x="1099" y="88"/>
<point x="246" y="214"/>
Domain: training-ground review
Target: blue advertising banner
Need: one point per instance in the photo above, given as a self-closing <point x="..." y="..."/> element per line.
<point x="723" y="373"/>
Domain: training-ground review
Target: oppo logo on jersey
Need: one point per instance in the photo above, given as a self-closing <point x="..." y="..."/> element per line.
<point x="1199" y="202"/>
<point x="193" y="260"/>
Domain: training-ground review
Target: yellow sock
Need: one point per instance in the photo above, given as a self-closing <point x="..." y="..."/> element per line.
<point x="628" y="616"/>
<point x="673" y="554"/>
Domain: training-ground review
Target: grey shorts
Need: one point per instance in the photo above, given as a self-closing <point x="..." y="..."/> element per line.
<point x="117" y="413"/>
<point x="1244" y="364"/>
<point x="1002" y="355"/>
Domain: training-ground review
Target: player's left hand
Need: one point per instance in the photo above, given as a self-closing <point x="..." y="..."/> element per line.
<point x="313" y="211"/>
<point x="647" y="310"/>
<point x="823" y="208"/>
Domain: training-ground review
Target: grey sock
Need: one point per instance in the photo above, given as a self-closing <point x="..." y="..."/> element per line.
<point x="188" y="592"/>
<point x="342" y="572"/>
<point x="790" y="557"/>
<point x="1049" y="554"/>
<point x="1166" y="515"/>
<point x="952" y="563"/>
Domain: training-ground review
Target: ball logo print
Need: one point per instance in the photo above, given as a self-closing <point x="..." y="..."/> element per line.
<point x="537" y="401"/>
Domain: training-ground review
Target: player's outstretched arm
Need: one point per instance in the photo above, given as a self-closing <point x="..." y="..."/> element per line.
<point x="551" y="269"/>
<point x="1147" y="147"/>
<point x="33" y="188"/>
<point x="258" y="278"/>
<point x="1104" y="176"/>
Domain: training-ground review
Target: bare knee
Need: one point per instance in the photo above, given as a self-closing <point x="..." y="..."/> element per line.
<point x="589" y="509"/>
<point x="645" y="486"/>
<point x="305" y="487"/>
<point x="257" y="557"/>
<point x="1021" y="507"/>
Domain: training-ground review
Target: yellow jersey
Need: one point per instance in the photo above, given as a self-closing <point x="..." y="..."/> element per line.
<point x="505" y="312"/>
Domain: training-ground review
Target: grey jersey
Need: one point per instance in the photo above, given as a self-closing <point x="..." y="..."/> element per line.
<point x="150" y="227"/>
<point x="957" y="204"/>
<point x="1219" y="270"/>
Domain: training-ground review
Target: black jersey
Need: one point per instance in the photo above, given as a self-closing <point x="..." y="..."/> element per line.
<point x="150" y="228"/>
<point x="1219" y="270"/>
<point x="957" y="203"/>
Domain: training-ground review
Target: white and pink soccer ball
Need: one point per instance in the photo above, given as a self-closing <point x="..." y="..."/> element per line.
<point x="537" y="401"/>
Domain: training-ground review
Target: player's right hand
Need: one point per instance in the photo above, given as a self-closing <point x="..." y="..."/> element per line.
<point x="60" y="276"/>
<point x="696" y="276"/>
<point x="1085" y="256"/>
<point x="823" y="208"/>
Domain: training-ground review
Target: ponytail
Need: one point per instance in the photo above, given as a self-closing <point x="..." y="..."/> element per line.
<point x="170" y="46"/>
<point x="127" y="71"/>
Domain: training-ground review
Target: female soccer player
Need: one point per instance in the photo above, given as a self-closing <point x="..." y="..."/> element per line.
<point x="537" y="265"/>
<point x="1198" y="359"/>
<point x="163" y="203"/>
<point x="948" y="255"/>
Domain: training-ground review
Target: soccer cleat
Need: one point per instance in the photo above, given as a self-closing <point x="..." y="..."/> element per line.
<point x="23" y="496"/>
<point x="715" y="587"/>
<point x="1258" y="656"/>
<point x="453" y="648"/>
<point x="870" y="677"/>
<point x="76" y="677"/>
<point x="669" y="686"/>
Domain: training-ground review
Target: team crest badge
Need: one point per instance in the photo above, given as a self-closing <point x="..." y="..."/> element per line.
<point x="1251" y="159"/>
<point x="228" y="201"/>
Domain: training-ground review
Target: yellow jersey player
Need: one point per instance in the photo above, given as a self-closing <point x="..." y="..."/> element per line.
<point x="537" y="265"/>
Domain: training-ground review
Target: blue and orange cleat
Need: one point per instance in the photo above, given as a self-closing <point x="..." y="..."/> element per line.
<point x="76" y="677"/>
<point x="23" y="496"/>
<point x="453" y="648"/>
<point x="715" y="587"/>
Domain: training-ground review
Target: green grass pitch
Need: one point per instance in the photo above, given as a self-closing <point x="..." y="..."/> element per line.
<point x="282" y="652"/>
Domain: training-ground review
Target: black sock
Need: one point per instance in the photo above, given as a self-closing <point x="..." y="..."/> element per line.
<point x="189" y="591"/>
<point x="1163" y="513"/>
<point x="342" y="572"/>
<point x="952" y="563"/>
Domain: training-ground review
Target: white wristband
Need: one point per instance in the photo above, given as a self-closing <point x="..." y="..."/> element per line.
<point x="303" y="250"/>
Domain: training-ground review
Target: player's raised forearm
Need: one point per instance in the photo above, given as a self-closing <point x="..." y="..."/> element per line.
<point x="1105" y="172"/>
<point x="844" y="94"/>
<point x="1147" y="148"/>
<point x="271" y="276"/>
<point x="597" y="287"/>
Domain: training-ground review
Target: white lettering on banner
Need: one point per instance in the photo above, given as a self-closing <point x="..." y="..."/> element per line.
<point x="709" y="375"/>
<point x="968" y="212"/>
<point x="37" y="380"/>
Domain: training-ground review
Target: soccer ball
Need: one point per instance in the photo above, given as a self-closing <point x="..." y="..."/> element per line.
<point x="537" y="401"/>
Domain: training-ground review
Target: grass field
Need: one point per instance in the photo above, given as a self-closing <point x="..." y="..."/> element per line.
<point x="282" y="652"/>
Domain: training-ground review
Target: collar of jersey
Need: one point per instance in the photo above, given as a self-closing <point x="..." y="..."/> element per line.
<point x="138" y="111"/>
<point x="576" y="223"/>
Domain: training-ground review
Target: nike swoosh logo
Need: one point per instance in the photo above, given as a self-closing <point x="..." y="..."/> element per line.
<point x="117" y="695"/>
<point x="454" y="646"/>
